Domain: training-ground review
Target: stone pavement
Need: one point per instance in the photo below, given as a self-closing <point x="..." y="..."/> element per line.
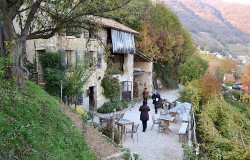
<point x="152" y="145"/>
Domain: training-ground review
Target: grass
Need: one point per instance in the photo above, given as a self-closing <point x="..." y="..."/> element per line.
<point x="241" y="107"/>
<point x="33" y="126"/>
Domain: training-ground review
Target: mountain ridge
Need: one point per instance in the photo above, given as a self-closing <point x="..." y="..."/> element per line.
<point x="211" y="30"/>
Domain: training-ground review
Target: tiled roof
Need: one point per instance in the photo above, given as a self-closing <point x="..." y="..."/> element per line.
<point x="109" y="23"/>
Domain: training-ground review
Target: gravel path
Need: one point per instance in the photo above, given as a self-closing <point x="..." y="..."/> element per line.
<point x="152" y="145"/>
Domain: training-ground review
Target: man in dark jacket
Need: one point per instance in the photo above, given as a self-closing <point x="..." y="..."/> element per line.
<point x="144" y="117"/>
<point x="156" y="100"/>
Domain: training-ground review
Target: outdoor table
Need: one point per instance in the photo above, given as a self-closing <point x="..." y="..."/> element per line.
<point x="167" y="119"/>
<point x="174" y="110"/>
<point x="123" y="123"/>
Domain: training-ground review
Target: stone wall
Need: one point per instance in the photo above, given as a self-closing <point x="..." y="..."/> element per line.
<point x="73" y="44"/>
<point x="145" y="78"/>
<point x="127" y="70"/>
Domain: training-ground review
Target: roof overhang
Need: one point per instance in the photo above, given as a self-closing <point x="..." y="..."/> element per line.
<point x="140" y="57"/>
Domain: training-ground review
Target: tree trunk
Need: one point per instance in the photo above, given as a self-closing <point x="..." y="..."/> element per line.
<point x="19" y="73"/>
<point x="15" y="48"/>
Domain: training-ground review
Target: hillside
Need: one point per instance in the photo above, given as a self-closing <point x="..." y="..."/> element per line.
<point x="214" y="24"/>
<point x="34" y="127"/>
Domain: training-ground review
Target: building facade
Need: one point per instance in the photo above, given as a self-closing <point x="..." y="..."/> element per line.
<point x="112" y="49"/>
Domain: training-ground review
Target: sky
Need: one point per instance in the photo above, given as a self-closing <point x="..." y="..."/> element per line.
<point x="238" y="1"/>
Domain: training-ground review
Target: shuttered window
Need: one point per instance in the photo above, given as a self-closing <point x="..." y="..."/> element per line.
<point x="99" y="59"/>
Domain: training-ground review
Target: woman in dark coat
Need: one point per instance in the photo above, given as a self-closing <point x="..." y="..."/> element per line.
<point x="144" y="117"/>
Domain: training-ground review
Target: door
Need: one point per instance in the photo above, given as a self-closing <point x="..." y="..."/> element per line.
<point x="91" y="99"/>
<point x="126" y="90"/>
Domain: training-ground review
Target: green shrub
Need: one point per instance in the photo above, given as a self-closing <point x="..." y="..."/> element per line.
<point x="1" y="66"/>
<point x="109" y="107"/>
<point x="236" y="104"/>
<point x="30" y="66"/>
<point x="236" y="94"/>
<point x="218" y="128"/>
<point x="112" y="87"/>
<point x="113" y="68"/>
<point x="90" y="115"/>
<point x="194" y="68"/>
<point x="108" y="132"/>
<point x="53" y="72"/>
<point x="51" y="60"/>
<point x="228" y="83"/>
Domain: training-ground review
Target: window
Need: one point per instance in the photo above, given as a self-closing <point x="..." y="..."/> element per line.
<point x="118" y="61"/>
<point x="74" y="31"/>
<point x="93" y="34"/>
<point x="39" y="68"/>
<point x="70" y="57"/>
<point x="91" y="56"/>
<point x="91" y="59"/>
<point x="127" y="86"/>
<point x="99" y="59"/>
<point x="86" y="34"/>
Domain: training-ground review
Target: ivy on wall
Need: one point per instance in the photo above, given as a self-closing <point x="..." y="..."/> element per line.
<point x="112" y="87"/>
<point x="53" y="72"/>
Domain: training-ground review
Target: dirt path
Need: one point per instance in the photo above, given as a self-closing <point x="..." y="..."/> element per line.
<point x="96" y="141"/>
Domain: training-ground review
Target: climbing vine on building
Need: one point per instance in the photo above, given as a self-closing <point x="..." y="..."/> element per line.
<point x="112" y="87"/>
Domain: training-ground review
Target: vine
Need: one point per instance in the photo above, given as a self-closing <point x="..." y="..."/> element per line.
<point x="112" y="87"/>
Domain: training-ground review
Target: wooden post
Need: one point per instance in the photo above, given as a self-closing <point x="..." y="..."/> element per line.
<point x="113" y="126"/>
<point x="213" y="131"/>
<point x="241" y="137"/>
<point x="61" y="91"/>
<point x="236" y="135"/>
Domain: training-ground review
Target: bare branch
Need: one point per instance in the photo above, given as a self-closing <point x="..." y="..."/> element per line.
<point x="11" y="3"/>
<point x="31" y="15"/>
<point x="44" y="34"/>
<point x="15" y="9"/>
<point x="70" y="21"/>
<point x="42" y="31"/>
<point x="73" y="9"/>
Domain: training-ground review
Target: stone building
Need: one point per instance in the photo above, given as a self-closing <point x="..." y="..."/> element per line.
<point x="112" y="42"/>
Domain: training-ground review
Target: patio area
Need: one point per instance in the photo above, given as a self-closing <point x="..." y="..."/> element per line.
<point x="151" y="144"/>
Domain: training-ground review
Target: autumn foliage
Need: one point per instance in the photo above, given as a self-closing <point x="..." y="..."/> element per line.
<point x="209" y="86"/>
<point x="228" y="65"/>
<point x="246" y="78"/>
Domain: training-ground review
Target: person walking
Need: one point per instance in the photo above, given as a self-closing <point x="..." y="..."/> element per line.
<point x="145" y="94"/>
<point x="156" y="99"/>
<point x="144" y="117"/>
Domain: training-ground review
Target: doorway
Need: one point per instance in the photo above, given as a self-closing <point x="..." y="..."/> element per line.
<point x="91" y="99"/>
<point x="127" y="90"/>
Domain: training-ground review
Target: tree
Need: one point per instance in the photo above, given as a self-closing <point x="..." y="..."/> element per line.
<point x="162" y="37"/>
<point x="228" y="65"/>
<point x="146" y="42"/>
<point x="194" y="68"/>
<point x="77" y="77"/>
<point x="208" y="86"/>
<point x="246" y="77"/>
<point x="42" y="19"/>
<point x="53" y="71"/>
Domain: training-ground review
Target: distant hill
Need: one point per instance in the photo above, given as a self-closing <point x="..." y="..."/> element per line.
<point x="216" y="26"/>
